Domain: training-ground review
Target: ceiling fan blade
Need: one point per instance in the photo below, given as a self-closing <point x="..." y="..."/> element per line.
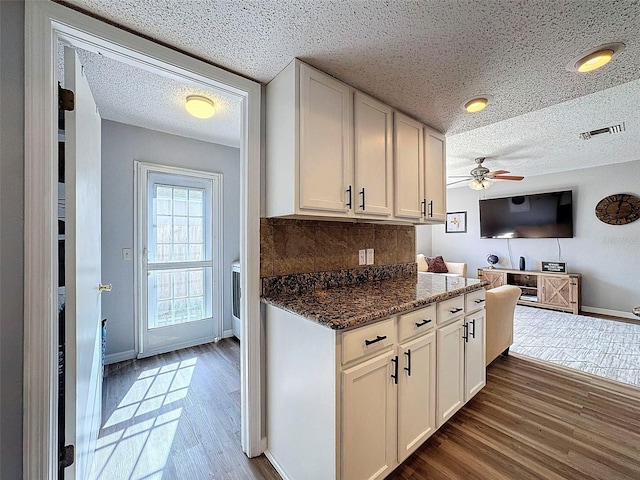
<point x="458" y="181"/>
<point x="509" y="177"/>
<point x="498" y="172"/>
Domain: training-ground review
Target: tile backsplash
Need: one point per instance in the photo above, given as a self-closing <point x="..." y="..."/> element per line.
<point x="303" y="246"/>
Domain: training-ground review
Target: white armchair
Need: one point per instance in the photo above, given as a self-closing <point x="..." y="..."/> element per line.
<point x="455" y="269"/>
<point x="500" y="306"/>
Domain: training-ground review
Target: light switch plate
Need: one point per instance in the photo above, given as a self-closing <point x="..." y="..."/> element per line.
<point x="369" y="256"/>
<point x="362" y="257"/>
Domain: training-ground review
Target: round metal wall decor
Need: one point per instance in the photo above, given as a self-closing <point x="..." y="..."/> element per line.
<point x="618" y="209"/>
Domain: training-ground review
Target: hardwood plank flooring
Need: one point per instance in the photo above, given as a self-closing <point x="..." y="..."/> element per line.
<point x="176" y="416"/>
<point x="536" y="421"/>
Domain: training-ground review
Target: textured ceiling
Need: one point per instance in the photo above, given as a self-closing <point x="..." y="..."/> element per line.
<point x="426" y="58"/>
<point x="548" y="141"/>
<point x="137" y="97"/>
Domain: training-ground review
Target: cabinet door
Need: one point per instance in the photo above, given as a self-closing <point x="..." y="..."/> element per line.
<point x="408" y="147"/>
<point x="475" y="371"/>
<point x="557" y="291"/>
<point x="495" y="278"/>
<point x="369" y="425"/>
<point x="373" y="168"/>
<point x="450" y="367"/>
<point x="435" y="176"/>
<point x="326" y="126"/>
<point x="416" y="393"/>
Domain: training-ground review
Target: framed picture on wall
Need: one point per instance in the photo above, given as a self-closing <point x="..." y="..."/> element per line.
<point x="456" y="222"/>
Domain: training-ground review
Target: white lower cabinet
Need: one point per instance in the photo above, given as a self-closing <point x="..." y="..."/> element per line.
<point x="416" y="393"/>
<point x="450" y="366"/>
<point x="475" y="370"/>
<point x="353" y="405"/>
<point x="369" y="418"/>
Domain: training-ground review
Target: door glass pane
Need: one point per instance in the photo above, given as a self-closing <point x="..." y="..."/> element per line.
<point x="178" y="296"/>
<point x="178" y="229"/>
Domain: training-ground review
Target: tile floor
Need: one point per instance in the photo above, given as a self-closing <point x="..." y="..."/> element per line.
<point x="606" y="348"/>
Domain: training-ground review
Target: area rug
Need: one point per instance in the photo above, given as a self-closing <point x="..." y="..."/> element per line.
<point x="602" y="347"/>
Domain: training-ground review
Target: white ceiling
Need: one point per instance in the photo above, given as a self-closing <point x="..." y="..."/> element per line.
<point x="427" y="57"/>
<point x="133" y="96"/>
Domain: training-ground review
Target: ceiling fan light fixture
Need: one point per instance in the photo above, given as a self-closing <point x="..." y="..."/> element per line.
<point x="480" y="184"/>
<point x="595" y="58"/>
<point x="476" y="104"/>
<point x="199" y="106"/>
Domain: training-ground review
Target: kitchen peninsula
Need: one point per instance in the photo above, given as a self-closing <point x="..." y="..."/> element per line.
<point x="360" y="374"/>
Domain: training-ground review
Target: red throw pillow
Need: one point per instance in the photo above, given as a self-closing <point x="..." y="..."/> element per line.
<point x="436" y="265"/>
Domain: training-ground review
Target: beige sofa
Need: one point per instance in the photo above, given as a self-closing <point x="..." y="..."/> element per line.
<point x="455" y="269"/>
<point x="500" y="306"/>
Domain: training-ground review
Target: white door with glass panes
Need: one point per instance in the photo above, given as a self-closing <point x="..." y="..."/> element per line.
<point x="180" y="250"/>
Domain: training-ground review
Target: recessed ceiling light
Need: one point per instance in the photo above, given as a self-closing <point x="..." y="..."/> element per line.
<point x="199" y="106"/>
<point x="595" y="58"/>
<point x="476" y="104"/>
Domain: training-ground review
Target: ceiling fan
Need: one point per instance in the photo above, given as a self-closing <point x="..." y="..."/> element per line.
<point x="481" y="178"/>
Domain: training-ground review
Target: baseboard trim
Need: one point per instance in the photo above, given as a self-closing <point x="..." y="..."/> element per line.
<point x="613" y="313"/>
<point x="227" y="333"/>
<point x="119" y="357"/>
<point x="177" y="346"/>
<point x="276" y="465"/>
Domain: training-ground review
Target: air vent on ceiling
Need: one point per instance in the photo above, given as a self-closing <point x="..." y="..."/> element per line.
<point x="612" y="129"/>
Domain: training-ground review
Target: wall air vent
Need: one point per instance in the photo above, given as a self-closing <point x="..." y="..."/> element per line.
<point x="612" y="129"/>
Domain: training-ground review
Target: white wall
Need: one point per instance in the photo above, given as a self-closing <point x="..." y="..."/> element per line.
<point x="121" y="145"/>
<point x="11" y="235"/>
<point x="424" y="240"/>
<point x="607" y="256"/>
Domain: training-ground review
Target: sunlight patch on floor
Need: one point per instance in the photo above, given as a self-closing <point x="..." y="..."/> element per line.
<point x="140" y="450"/>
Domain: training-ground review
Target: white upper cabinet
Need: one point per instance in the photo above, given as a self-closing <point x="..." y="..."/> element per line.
<point x="435" y="193"/>
<point x="373" y="166"/>
<point x="334" y="152"/>
<point x="309" y="144"/>
<point x="408" y="149"/>
<point x="326" y="126"/>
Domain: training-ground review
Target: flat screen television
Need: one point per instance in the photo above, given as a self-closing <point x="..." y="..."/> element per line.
<point x="541" y="215"/>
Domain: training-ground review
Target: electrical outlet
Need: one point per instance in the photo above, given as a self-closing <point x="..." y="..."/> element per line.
<point x="126" y="254"/>
<point x="362" y="257"/>
<point x="369" y="256"/>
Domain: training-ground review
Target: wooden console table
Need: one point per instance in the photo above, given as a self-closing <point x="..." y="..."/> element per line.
<point x="556" y="291"/>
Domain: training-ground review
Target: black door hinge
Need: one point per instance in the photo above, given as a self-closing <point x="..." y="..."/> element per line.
<point x="66" y="99"/>
<point x="67" y="456"/>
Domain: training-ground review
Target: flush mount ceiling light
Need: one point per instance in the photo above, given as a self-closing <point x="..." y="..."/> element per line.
<point x="199" y="106"/>
<point x="476" y="104"/>
<point x="595" y="58"/>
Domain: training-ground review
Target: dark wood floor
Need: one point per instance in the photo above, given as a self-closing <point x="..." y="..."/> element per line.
<point x="192" y="395"/>
<point x="531" y="421"/>
<point x="536" y="421"/>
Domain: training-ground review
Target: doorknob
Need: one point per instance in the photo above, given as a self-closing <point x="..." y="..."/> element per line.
<point x="104" y="288"/>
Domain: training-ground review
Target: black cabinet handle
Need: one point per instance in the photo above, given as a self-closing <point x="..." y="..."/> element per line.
<point x="473" y="324"/>
<point x="455" y="310"/>
<point x="431" y="208"/>
<point x="423" y="207"/>
<point x="423" y="322"/>
<point x="378" y="338"/>
<point x="408" y="367"/>
<point x="395" y="369"/>
<point x="465" y="335"/>
<point x="479" y="300"/>
<point x="349" y="201"/>
<point x="362" y="193"/>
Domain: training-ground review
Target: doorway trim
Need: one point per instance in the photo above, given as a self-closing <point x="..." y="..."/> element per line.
<point x="45" y="24"/>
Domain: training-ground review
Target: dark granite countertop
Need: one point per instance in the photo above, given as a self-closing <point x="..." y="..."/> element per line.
<point x="350" y="306"/>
